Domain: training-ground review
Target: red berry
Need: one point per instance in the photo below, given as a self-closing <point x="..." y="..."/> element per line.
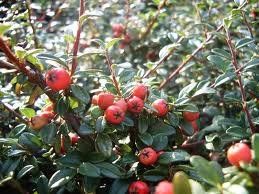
<point x="58" y="79"/>
<point x="164" y="187"/>
<point x="105" y="100"/>
<point x="74" y="138"/>
<point x="147" y="156"/>
<point x="239" y="152"/>
<point x="48" y="108"/>
<point x="38" y="121"/>
<point x="48" y="115"/>
<point x="191" y="116"/>
<point x="161" y="106"/>
<point x="135" y="104"/>
<point x="195" y="126"/>
<point x="95" y="100"/>
<point x="127" y="39"/>
<point x="122" y="104"/>
<point x="117" y="30"/>
<point x="151" y="55"/>
<point x="140" y="90"/>
<point x="114" y="114"/>
<point x="138" y="187"/>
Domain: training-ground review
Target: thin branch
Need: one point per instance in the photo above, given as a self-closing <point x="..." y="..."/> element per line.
<point x="154" y="19"/>
<point x="179" y="68"/>
<point x="11" y="110"/>
<point x="242" y="90"/>
<point x="248" y="25"/>
<point x="115" y="82"/>
<point x="58" y="12"/>
<point x="35" y="39"/>
<point x="127" y="14"/>
<point x="160" y="62"/>
<point x="76" y="43"/>
<point x="6" y="65"/>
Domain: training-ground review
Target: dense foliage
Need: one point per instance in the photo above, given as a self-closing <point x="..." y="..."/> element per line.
<point x="133" y="96"/>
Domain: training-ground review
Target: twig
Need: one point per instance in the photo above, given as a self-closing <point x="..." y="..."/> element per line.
<point x="10" y="109"/>
<point x="162" y="60"/>
<point x="36" y="42"/>
<point x="115" y="82"/>
<point x="154" y="19"/>
<point x="174" y="73"/>
<point x="192" y="145"/>
<point x="127" y="13"/>
<point x="76" y="43"/>
<point x="6" y="65"/>
<point x="248" y="25"/>
<point x="58" y="12"/>
<point x="242" y="91"/>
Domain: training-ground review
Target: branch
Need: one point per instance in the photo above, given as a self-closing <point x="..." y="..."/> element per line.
<point x="152" y="22"/>
<point x="179" y="68"/>
<point x="127" y="13"/>
<point x="248" y="25"/>
<point x="115" y="82"/>
<point x="36" y="42"/>
<point x="242" y="91"/>
<point x="6" y="65"/>
<point x="160" y="62"/>
<point x="11" y="110"/>
<point x="76" y="43"/>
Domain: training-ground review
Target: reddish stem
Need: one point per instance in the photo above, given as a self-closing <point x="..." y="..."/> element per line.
<point x="76" y="43"/>
<point x="179" y="68"/>
<point x="242" y="90"/>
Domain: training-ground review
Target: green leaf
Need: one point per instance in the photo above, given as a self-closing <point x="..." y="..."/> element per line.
<point x="24" y="171"/>
<point x="224" y="78"/>
<point x="175" y="156"/>
<point x="89" y="170"/>
<point x="154" y="175"/>
<point x="142" y="124"/>
<point x="187" y="128"/>
<point x="8" y="141"/>
<point x="61" y="177"/>
<point x="128" y="122"/>
<point x="237" y="131"/>
<point x="42" y="185"/>
<point x="30" y="141"/>
<point x="112" y="42"/>
<point x="221" y="53"/>
<point x="119" y="186"/>
<point x="100" y="124"/>
<point x="62" y="106"/>
<point x="104" y="144"/>
<point x="255" y="146"/>
<point x="161" y="128"/>
<point x="146" y="138"/>
<point x="28" y="112"/>
<point x="20" y="52"/>
<point x="196" y="187"/>
<point x="232" y="189"/>
<point x="251" y="64"/>
<point x="186" y="90"/>
<point x="45" y="58"/>
<point x="4" y="27"/>
<point x="110" y="170"/>
<point x="89" y="15"/>
<point x="160" y="142"/>
<point x="243" y="42"/>
<point x="48" y="133"/>
<point x="80" y="93"/>
<point x="181" y="183"/>
<point x="220" y="63"/>
<point x="202" y="166"/>
<point x="85" y="129"/>
<point x="204" y="90"/>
